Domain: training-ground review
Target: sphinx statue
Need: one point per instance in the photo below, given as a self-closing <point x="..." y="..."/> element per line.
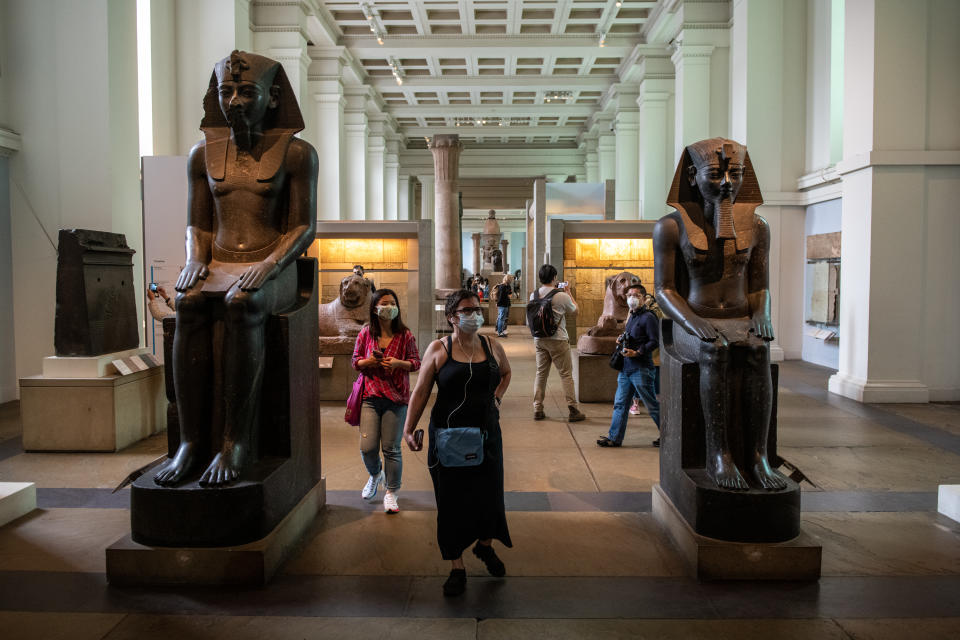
<point x="602" y="338"/>
<point x="342" y="318"/>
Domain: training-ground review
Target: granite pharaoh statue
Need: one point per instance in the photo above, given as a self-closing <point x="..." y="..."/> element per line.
<point x="711" y="271"/>
<point x="251" y="212"/>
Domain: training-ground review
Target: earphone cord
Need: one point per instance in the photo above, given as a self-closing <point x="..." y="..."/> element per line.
<point x="465" y="385"/>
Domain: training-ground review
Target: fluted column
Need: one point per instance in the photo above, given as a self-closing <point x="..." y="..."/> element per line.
<point x="446" y="167"/>
<point x="476" y="252"/>
<point x="503" y="249"/>
<point x="403" y="198"/>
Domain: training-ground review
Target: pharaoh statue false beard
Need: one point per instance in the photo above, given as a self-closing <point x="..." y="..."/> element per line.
<point x="723" y="220"/>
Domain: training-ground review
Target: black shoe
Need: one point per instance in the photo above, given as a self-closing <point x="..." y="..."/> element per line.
<point x="576" y="415"/>
<point x="604" y="441"/>
<point x="656" y="443"/>
<point x="494" y="565"/>
<point x="539" y="415"/>
<point x="456" y="584"/>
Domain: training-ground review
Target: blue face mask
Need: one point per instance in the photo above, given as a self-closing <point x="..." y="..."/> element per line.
<point x="387" y="311"/>
<point x="471" y="323"/>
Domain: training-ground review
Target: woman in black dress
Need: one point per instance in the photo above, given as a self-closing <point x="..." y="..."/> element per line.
<point x="472" y="374"/>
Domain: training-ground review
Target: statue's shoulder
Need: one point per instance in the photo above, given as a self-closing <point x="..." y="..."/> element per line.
<point x="668" y="227"/>
<point x="301" y="154"/>
<point x="197" y="158"/>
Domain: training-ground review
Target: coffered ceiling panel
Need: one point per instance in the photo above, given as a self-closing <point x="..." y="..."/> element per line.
<point x="498" y="72"/>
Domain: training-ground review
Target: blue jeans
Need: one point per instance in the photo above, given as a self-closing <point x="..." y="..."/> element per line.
<point x="381" y="429"/>
<point x="639" y="382"/>
<point x="503" y="314"/>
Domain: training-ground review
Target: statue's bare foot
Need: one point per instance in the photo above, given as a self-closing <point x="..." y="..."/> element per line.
<point x="722" y="470"/>
<point x="767" y="477"/>
<point x="225" y="467"/>
<point x="182" y="463"/>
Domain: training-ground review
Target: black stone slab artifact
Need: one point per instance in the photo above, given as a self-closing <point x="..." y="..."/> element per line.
<point x="96" y="303"/>
<point x="711" y="264"/>
<point x="244" y="352"/>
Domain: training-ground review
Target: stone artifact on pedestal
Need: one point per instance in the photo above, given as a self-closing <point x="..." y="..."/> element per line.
<point x="492" y="263"/>
<point x="602" y="338"/>
<point x="96" y="303"/>
<point x="718" y="438"/>
<point x="342" y="318"/>
<point x="245" y="453"/>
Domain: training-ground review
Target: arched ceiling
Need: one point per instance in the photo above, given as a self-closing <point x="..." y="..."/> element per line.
<point x="489" y="70"/>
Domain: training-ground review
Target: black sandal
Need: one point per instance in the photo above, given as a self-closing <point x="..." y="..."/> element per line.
<point x="604" y="441"/>
<point x="456" y="584"/>
<point x="495" y="566"/>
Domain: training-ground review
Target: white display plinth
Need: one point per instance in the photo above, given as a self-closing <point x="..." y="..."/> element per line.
<point x="104" y="413"/>
<point x="16" y="499"/>
<point x="85" y="366"/>
<point x="948" y="501"/>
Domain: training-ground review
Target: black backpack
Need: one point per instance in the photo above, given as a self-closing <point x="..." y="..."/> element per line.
<point x="540" y="318"/>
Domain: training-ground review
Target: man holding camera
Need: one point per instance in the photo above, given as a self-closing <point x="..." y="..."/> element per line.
<point x="640" y="339"/>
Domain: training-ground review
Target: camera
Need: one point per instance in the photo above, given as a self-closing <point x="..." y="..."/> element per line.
<point x="153" y="287"/>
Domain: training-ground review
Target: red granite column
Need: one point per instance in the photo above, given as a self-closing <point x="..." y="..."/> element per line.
<point x="446" y="167"/>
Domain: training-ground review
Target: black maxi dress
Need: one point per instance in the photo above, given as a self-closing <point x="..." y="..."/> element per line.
<point x="469" y="499"/>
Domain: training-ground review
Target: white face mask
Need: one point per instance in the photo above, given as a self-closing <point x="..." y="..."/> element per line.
<point x="633" y="302"/>
<point x="387" y="311"/>
<point x="471" y="323"/>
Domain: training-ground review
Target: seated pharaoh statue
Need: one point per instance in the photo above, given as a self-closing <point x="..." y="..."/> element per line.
<point x="251" y="213"/>
<point x="602" y="338"/>
<point x="711" y="271"/>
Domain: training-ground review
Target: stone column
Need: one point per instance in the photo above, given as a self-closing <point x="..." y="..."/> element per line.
<point x="591" y="159"/>
<point x="426" y="197"/>
<point x="446" y="167"/>
<point x="476" y="252"/>
<point x="656" y="150"/>
<point x="403" y="198"/>
<point x="503" y="249"/>
<point x="606" y="149"/>
<point x="279" y="32"/>
<point x="376" y="150"/>
<point x="901" y="176"/>
<point x="627" y="146"/>
<point x="391" y="167"/>
<point x="692" y="69"/>
<point x="354" y="195"/>
<point x="327" y="132"/>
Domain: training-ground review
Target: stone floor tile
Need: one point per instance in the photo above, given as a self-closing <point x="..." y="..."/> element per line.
<point x="910" y="468"/>
<point x="943" y="415"/>
<point x="527" y="433"/>
<point x="660" y="629"/>
<point x="61" y="539"/>
<point x="344" y="470"/>
<point x="25" y="625"/>
<point x="838" y="432"/>
<point x="633" y="467"/>
<point x="10" y="425"/>
<point x="897" y="629"/>
<point x="528" y="469"/>
<point x="886" y="544"/>
<point x="157" y="627"/>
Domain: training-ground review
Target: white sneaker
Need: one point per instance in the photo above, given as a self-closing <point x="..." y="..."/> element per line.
<point x="390" y="502"/>
<point x="370" y="489"/>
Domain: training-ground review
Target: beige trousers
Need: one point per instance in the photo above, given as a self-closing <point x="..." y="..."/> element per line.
<point x="556" y="352"/>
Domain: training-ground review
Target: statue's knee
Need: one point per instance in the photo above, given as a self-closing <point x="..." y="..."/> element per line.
<point x="244" y="307"/>
<point x="758" y="353"/>
<point x="190" y="306"/>
<point x="715" y="351"/>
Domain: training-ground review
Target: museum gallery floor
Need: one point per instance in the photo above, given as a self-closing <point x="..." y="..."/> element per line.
<point x="588" y="559"/>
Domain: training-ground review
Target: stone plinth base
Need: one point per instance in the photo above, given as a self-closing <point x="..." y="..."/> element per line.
<point x="253" y="564"/>
<point x="595" y="380"/>
<point x="16" y="499"/>
<point x="711" y="559"/>
<point x="85" y="366"/>
<point x="91" y="414"/>
<point x="336" y="379"/>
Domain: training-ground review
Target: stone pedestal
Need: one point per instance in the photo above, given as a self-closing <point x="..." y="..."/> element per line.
<point x="336" y="377"/>
<point x="252" y="564"/>
<point x="16" y="499"/>
<point x="91" y="414"/>
<point x="595" y="380"/>
<point x="710" y="559"/>
<point x="85" y="366"/>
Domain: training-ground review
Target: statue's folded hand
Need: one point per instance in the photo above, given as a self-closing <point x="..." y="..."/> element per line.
<point x="192" y="271"/>
<point x="702" y="329"/>
<point x="762" y="326"/>
<point x="257" y="274"/>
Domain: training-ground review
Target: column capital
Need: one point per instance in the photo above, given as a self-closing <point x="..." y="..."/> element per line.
<point x="9" y="142"/>
<point x="446" y="156"/>
<point x="694" y="53"/>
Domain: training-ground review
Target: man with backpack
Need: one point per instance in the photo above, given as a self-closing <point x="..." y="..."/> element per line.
<point x="546" y="318"/>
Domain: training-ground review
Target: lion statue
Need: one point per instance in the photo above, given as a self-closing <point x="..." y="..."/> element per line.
<point x="342" y="317"/>
<point x="602" y="338"/>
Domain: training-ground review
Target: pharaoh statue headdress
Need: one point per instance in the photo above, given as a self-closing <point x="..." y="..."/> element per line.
<point x="280" y="123"/>
<point x="687" y="201"/>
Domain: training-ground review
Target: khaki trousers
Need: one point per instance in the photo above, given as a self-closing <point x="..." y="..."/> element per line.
<point x="556" y="352"/>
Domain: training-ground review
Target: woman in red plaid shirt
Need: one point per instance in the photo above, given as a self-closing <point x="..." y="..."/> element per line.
<point x="385" y="354"/>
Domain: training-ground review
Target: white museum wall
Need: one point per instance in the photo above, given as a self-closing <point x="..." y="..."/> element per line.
<point x="823" y="217"/>
<point x="71" y="74"/>
<point x="8" y="371"/>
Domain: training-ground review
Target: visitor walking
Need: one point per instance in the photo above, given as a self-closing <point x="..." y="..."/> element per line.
<point x="640" y="338"/>
<point x="472" y="374"/>
<point x="385" y="353"/>
<point x="504" y="295"/>
<point x="555" y="349"/>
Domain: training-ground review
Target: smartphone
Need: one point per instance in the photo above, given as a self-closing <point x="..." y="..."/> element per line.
<point x="563" y="285"/>
<point x="153" y="287"/>
<point x="377" y="354"/>
<point x="418" y="438"/>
